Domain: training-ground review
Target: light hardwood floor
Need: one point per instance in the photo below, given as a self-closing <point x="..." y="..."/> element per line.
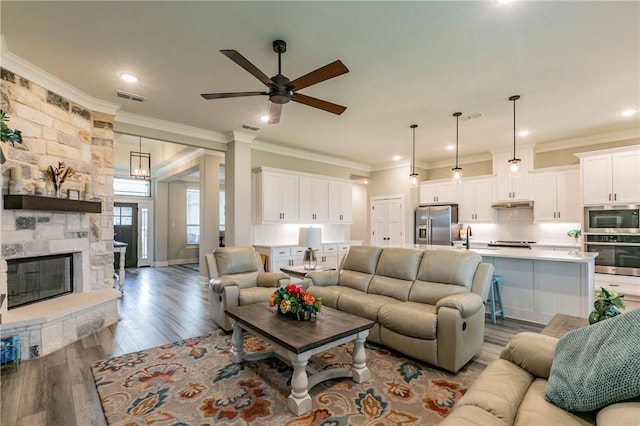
<point x="160" y="305"/>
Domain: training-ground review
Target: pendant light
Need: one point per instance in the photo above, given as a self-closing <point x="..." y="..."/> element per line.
<point x="514" y="168"/>
<point x="457" y="171"/>
<point x="140" y="163"/>
<point x="413" y="177"/>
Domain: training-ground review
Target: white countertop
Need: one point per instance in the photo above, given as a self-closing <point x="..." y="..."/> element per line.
<point x="523" y="253"/>
<point x="272" y="246"/>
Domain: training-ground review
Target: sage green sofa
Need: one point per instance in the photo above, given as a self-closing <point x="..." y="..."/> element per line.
<point x="428" y="304"/>
<point x="236" y="278"/>
<point x="511" y="391"/>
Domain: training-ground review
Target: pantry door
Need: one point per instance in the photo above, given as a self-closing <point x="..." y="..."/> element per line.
<point x="387" y="221"/>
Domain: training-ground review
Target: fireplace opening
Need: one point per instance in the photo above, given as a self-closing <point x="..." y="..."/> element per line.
<point x="35" y="279"/>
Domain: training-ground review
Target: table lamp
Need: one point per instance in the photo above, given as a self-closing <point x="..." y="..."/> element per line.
<point x="310" y="238"/>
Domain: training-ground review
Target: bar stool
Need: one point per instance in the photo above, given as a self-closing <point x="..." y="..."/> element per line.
<point x="495" y="297"/>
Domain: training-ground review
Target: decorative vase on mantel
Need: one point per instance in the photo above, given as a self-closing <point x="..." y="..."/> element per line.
<point x="58" y="192"/>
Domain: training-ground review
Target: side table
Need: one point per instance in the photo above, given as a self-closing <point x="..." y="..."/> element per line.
<point x="561" y="324"/>
<point x="300" y="272"/>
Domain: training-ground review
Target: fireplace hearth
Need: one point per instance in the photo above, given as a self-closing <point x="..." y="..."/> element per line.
<point x="34" y="279"/>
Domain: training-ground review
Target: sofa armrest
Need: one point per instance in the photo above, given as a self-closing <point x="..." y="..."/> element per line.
<point x="531" y="351"/>
<point x="322" y="278"/>
<point x="625" y="413"/>
<point x="466" y="303"/>
<point x="272" y="279"/>
<point x="218" y="284"/>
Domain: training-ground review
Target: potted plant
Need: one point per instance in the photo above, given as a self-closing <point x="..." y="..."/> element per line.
<point x="7" y="135"/>
<point x="606" y="305"/>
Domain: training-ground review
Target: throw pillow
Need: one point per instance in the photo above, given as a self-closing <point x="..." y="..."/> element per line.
<point x="597" y="365"/>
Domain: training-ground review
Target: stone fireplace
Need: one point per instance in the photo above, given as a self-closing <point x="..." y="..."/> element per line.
<point x="54" y="129"/>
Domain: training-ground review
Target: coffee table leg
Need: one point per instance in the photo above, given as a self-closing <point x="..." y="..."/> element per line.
<point x="359" y="360"/>
<point x="237" y="341"/>
<point x="299" y="400"/>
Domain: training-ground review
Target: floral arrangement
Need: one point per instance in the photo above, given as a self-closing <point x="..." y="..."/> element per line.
<point x="575" y="233"/>
<point x="59" y="174"/>
<point x="606" y="305"/>
<point x="292" y="299"/>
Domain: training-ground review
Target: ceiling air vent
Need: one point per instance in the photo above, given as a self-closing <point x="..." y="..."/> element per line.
<point x="130" y="96"/>
<point x="250" y="127"/>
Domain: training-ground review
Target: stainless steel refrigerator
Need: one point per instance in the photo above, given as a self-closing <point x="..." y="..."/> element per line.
<point x="437" y="224"/>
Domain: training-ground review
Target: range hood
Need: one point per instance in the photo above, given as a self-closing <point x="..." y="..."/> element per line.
<point x="512" y="204"/>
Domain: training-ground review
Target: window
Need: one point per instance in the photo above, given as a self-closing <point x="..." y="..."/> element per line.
<point x="193" y="216"/>
<point x="144" y="233"/>
<point x="122" y="216"/>
<point x="132" y="187"/>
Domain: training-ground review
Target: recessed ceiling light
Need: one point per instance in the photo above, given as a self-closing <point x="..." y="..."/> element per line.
<point x="129" y="78"/>
<point x="396" y="157"/>
<point x="503" y="1"/>
<point x="451" y="147"/>
<point x="264" y="118"/>
<point x="523" y="133"/>
<point x="629" y="112"/>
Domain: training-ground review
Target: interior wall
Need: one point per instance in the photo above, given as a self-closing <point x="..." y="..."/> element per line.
<point x="479" y="168"/>
<point x="177" y="250"/>
<point x="359" y="229"/>
<point x="279" y="161"/>
<point x="567" y="156"/>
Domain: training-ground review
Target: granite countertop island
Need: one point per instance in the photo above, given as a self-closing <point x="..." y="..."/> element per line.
<point x="521" y="253"/>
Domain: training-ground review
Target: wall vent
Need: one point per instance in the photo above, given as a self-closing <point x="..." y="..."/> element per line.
<point x="130" y="96"/>
<point x="250" y="127"/>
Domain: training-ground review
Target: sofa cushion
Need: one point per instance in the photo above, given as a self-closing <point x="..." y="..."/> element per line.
<point x="499" y="390"/>
<point x="235" y="260"/>
<point x="391" y="287"/>
<point x="410" y="319"/>
<point x="364" y="305"/>
<point x="355" y="279"/>
<point x="620" y="414"/>
<point x="244" y="280"/>
<point x="331" y="294"/>
<point x="468" y="415"/>
<point x="401" y="263"/>
<point x="449" y="267"/>
<point x="251" y="295"/>
<point x="597" y="365"/>
<point x="534" y="410"/>
<point x="531" y="351"/>
<point x="362" y="259"/>
<point x="431" y="293"/>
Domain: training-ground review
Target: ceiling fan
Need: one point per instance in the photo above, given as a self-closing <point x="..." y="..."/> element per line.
<point x="281" y="89"/>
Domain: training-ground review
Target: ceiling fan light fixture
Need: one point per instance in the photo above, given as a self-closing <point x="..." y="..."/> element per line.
<point x="514" y="163"/>
<point x="457" y="171"/>
<point x="264" y="118"/>
<point x="413" y="177"/>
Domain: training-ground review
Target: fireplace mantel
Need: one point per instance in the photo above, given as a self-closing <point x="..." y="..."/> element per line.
<point x="32" y="202"/>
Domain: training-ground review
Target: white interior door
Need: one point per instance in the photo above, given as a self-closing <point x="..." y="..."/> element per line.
<point x="387" y="221"/>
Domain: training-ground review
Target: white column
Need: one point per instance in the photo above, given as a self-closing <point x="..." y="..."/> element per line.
<point x="209" y="209"/>
<point x="238" y="180"/>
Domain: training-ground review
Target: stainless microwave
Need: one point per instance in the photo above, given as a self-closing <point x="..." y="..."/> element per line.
<point x="616" y="219"/>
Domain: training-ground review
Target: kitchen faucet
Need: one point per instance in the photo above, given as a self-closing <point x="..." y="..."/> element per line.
<point x="466" y="244"/>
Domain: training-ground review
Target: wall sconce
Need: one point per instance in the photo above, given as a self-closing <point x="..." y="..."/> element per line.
<point x="140" y="163"/>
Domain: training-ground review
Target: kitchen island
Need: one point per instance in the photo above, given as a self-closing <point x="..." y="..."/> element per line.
<point x="537" y="284"/>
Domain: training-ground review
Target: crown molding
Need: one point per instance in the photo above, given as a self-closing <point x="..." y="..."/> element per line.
<point x="462" y="160"/>
<point x="169" y="127"/>
<point x="619" y="135"/>
<point x="42" y="78"/>
<point x="239" y="136"/>
<point x="297" y="153"/>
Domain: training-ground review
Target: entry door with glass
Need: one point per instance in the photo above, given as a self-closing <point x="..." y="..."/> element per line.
<point x="125" y="228"/>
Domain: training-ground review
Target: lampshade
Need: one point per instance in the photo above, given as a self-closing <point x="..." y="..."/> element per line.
<point x="140" y="163"/>
<point x="310" y="237"/>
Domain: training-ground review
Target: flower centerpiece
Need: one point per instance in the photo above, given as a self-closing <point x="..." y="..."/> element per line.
<point x="58" y="175"/>
<point x="575" y="234"/>
<point x="606" y="305"/>
<point x="292" y="300"/>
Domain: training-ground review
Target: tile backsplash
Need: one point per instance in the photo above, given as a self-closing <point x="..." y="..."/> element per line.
<point x="517" y="225"/>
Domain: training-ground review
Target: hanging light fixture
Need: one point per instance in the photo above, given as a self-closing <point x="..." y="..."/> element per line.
<point x="457" y="171"/>
<point x="514" y="167"/>
<point x="140" y="163"/>
<point x="413" y="177"/>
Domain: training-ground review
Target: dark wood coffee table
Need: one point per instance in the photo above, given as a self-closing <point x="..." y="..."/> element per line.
<point x="301" y="272"/>
<point x="296" y="341"/>
<point x="561" y="324"/>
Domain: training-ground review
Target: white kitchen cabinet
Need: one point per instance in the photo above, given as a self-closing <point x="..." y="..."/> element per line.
<point x="276" y="197"/>
<point x="313" y="199"/>
<point x="611" y="177"/>
<point x="340" y="202"/>
<point x="281" y="256"/>
<point x="327" y="256"/>
<point x="556" y="196"/>
<point x="508" y="187"/>
<point x="440" y="192"/>
<point x="476" y="197"/>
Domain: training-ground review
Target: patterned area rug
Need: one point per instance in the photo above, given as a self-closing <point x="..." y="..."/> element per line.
<point x="193" y="382"/>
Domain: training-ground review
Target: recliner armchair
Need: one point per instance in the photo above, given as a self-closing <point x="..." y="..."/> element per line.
<point x="236" y="278"/>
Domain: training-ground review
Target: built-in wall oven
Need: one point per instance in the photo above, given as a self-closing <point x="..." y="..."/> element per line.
<point x="614" y="233"/>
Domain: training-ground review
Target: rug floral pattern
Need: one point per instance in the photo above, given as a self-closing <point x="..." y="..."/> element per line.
<point x="193" y="382"/>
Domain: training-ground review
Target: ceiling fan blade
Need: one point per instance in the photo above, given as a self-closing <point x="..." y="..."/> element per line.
<point x="334" y="69"/>
<point x="318" y="103"/>
<point x="231" y="95"/>
<point x="248" y="66"/>
<point x="274" y="113"/>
